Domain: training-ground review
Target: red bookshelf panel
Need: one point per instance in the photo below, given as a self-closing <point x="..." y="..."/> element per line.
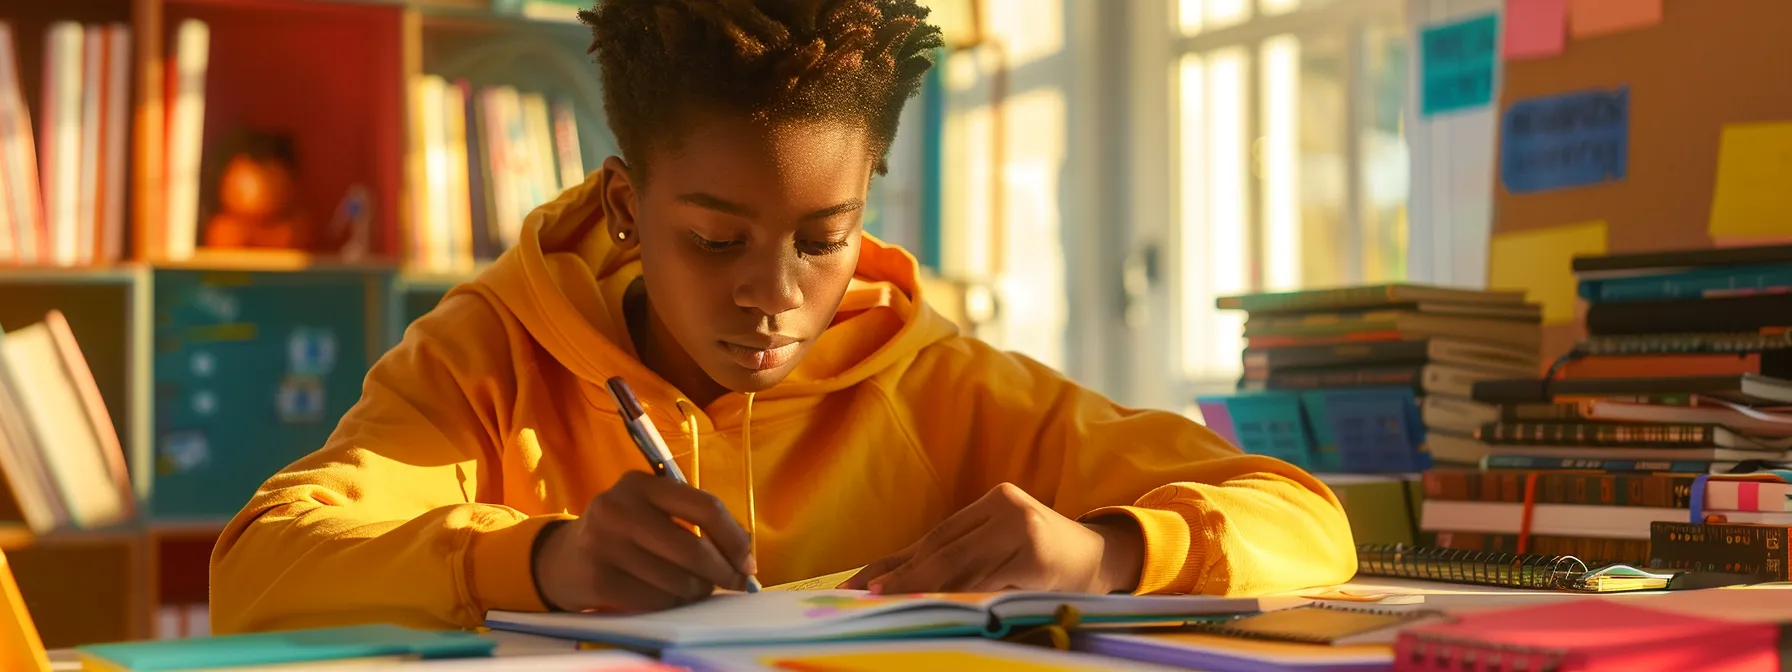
<point x="329" y="75"/>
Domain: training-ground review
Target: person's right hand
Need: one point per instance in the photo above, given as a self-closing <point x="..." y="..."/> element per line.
<point x="628" y="552"/>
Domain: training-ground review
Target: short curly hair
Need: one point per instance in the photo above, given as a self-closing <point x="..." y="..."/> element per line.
<point x="775" y="61"/>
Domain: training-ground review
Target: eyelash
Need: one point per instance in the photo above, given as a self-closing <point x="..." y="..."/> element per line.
<point x="818" y="249"/>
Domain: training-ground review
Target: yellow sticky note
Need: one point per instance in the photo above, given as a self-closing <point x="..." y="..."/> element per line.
<point x="1588" y="18"/>
<point x="1541" y="262"/>
<point x="1754" y="182"/>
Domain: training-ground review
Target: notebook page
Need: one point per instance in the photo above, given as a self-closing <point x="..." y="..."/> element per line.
<point x="759" y="617"/>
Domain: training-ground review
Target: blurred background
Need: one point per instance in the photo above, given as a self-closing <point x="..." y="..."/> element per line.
<point x="235" y="206"/>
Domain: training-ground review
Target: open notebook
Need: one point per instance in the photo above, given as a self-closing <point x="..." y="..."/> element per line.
<point x="821" y="615"/>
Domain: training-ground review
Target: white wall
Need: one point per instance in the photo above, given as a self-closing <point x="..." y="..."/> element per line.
<point x="1452" y="178"/>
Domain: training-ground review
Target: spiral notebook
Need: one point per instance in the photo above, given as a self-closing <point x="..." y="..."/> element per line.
<point x="1542" y="572"/>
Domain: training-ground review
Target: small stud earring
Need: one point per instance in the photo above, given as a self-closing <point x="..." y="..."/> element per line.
<point x="622" y="235"/>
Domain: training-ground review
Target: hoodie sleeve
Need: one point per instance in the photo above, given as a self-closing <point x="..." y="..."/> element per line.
<point x="382" y="524"/>
<point x="1215" y="520"/>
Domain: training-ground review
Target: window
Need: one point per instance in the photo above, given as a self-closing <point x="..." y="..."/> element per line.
<point x="1290" y="160"/>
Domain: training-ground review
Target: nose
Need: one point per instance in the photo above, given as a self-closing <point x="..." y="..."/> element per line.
<point x="770" y="285"/>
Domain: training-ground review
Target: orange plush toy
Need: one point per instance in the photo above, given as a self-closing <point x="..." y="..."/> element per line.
<point x="257" y="203"/>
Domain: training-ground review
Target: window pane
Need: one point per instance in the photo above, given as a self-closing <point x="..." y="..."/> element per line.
<point x="1319" y="178"/>
<point x="1274" y="7"/>
<point x="1384" y="161"/>
<point x="1197" y="15"/>
<point x="1278" y="157"/>
<point x="1214" y="224"/>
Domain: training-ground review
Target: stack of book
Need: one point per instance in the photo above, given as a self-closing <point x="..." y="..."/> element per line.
<point x="1334" y="381"/>
<point x="1438" y="342"/>
<point x="1658" y="424"/>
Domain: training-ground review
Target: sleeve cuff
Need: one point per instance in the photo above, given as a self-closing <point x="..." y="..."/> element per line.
<point x="501" y="568"/>
<point x="1167" y="547"/>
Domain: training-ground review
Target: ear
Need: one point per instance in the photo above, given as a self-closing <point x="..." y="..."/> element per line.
<point x="618" y="191"/>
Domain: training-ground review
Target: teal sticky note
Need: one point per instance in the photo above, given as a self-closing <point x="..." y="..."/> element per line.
<point x="1457" y="63"/>
<point x="288" y="647"/>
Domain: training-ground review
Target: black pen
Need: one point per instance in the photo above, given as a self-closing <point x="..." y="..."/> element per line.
<point x="652" y="445"/>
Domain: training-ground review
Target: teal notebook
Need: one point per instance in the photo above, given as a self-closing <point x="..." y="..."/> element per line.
<point x="294" y="646"/>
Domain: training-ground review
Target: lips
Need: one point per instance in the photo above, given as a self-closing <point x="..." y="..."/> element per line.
<point x="761" y="354"/>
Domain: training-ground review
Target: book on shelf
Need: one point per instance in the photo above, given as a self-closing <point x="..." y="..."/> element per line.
<point x="1612" y="466"/>
<point x="1746" y="389"/>
<point x="1718" y="315"/>
<point x="1762" y="491"/>
<point x="1340" y="298"/>
<point x="1456" y="449"/>
<point x="59" y="450"/>
<point x="1644" y="263"/>
<point x="482" y="158"/>
<point x="1691" y="343"/>
<point x="1471" y="354"/>
<point x="1408" y="325"/>
<point x="1701" y="283"/>
<point x="22" y="238"/>
<point x="1760" y="550"/>
<point x="1772" y="363"/>
<point x="1569" y="520"/>
<point x="185" y="99"/>
<point x="1665" y="435"/>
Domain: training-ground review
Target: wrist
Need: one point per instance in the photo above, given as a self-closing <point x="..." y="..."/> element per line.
<point x="1122" y="553"/>
<point x="540" y="556"/>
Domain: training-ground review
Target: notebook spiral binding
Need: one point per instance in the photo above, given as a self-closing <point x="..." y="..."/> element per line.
<point x="1447" y="653"/>
<point x="1470" y="567"/>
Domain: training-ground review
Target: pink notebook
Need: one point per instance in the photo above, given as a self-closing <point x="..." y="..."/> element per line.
<point x="1591" y="635"/>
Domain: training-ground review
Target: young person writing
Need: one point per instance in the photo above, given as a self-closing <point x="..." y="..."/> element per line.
<point x="826" y="417"/>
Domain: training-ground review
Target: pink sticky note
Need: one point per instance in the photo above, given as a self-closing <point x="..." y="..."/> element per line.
<point x="1587" y="18"/>
<point x="1535" y="28"/>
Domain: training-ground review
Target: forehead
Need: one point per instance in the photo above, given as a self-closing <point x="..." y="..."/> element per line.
<point x="750" y="161"/>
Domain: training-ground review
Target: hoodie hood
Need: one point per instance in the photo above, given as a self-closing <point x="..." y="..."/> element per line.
<point x="565" y="281"/>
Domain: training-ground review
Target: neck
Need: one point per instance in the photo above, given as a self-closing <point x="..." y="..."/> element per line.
<point x="663" y="355"/>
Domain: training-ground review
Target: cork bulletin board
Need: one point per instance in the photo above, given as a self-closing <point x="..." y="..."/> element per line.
<point x="1707" y="65"/>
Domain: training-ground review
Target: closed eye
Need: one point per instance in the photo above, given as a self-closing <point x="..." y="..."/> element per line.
<point x="708" y="245"/>
<point x="820" y="248"/>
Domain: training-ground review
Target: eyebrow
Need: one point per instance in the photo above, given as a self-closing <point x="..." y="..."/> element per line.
<point x="725" y="206"/>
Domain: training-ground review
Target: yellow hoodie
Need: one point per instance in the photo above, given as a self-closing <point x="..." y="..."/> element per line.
<point x="491" y="419"/>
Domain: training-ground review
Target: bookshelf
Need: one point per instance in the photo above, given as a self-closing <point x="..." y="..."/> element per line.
<point x="186" y="346"/>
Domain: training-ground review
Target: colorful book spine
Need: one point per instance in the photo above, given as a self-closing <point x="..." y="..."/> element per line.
<point x="1540" y="412"/>
<point x="1702" y="343"/>
<point x="1525" y="462"/>
<point x="1655" y="490"/>
<point x="1596" y="434"/>
<point x="1402" y="376"/>
<point x="1592" y="551"/>
<point x="1690" y="285"/>
<point x="1738" y="549"/>
<point x="1392" y="352"/>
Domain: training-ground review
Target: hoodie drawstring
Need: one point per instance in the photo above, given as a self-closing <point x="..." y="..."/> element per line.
<point x="746" y="444"/>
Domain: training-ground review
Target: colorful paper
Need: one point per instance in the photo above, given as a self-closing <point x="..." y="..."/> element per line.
<point x="1540" y="261"/>
<point x="1535" y="28"/>
<point x="903" y="661"/>
<point x="1592" y="18"/>
<point x="1457" y="62"/>
<point x="1754" y="182"/>
<point x="1569" y="140"/>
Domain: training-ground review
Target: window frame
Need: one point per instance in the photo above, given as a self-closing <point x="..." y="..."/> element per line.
<point x="1153" y="308"/>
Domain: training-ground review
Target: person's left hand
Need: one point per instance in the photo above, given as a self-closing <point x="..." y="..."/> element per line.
<point x="1009" y="541"/>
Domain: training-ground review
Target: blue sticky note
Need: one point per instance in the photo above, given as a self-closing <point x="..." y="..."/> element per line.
<point x="1457" y="62"/>
<point x="1570" y="140"/>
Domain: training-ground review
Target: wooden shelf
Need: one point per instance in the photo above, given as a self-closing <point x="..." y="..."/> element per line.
<point x="71" y="275"/>
<point x="272" y="261"/>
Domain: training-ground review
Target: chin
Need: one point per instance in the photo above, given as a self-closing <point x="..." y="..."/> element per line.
<point x="741" y="379"/>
